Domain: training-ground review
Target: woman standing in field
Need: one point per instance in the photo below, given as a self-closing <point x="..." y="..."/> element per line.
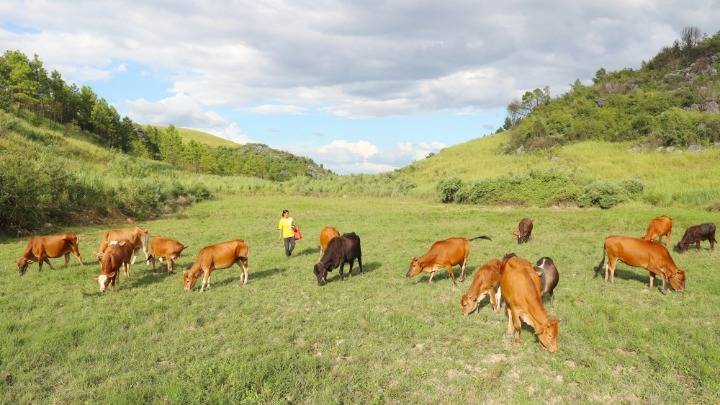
<point x="285" y="226"/>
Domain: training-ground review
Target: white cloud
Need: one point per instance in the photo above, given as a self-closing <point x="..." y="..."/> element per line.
<point x="278" y="109"/>
<point x="342" y="151"/>
<point x="417" y="151"/>
<point x="230" y="131"/>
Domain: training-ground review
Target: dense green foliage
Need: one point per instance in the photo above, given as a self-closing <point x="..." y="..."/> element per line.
<point x="376" y="337"/>
<point x="26" y="89"/>
<point x="540" y="188"/>
<point x="46" y="178"/>
<point x="672" y="100"/>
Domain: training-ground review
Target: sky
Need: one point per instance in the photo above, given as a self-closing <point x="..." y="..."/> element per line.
<point x="359" y="86"/>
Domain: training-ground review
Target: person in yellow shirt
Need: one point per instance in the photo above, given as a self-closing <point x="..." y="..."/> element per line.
<point x="285" y="226"/>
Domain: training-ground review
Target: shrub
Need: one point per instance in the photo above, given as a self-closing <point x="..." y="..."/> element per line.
<point x="448" y="188"/>
<point x="603" y="194"/>
<point x="633" y="187"/>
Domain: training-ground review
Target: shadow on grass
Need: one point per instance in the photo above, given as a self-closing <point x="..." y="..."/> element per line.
<point x="633" y="275"/>
<point x="308" y="251"/>
<point x="367" y="268"/>
<point x="146" y="278"/>
<point x="442" y="274"/>
<point x="251" y="276"/>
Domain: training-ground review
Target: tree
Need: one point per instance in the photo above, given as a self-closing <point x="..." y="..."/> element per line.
<point x="690" y="36"/>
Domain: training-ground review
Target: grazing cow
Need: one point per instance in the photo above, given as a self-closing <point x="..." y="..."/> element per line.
<point x="549" y="276"/>
<point x="125" y="248"/>
<point x="115" y="255"/>
<point x="137" y="236"/>
<point x="326" y="235"/>
<point x="168" y="249"/>
<point x="41" y="248"/>
<point x="695" y="235"/>
<point x="523" y="230"/>
<point x="444" y="253"/>
<point x="521" y="290"/>
<point x="635" y="252"/>
<point x="340" y="250"/>
<point x="219" y="256"/>
<point x="485" y="282"/>
<point x="659" y="227"/>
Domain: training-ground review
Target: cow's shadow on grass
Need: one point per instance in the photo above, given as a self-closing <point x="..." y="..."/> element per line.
<point x="146" y="277"/>
<point x="442" y="274"/>
<point x="641" y="276"/>
<point x="251" y="276"/>
<point x="367" y="268"/>
<point x="308" y="251"/>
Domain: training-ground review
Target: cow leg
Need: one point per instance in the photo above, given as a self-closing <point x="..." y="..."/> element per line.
<point x="652" y="279"/>
<point x="510" y="327"/>
<point x="517" y="326"/>
<point x="664" y="284"/>
<point x="493" y="302"/>
<point x="244" y="277"/>
<point x="697" y="245"/>
<point x="48" y="262"/>
<point x="342" y="269"/>
<point x="360" y="263"/>
<point x="206" y="280"/>
<point x="352" y="263"/>
<point x="462" y="269"/>
<point x="432" y="273"/>
<point x="134" y="256"/>
<point x="452" y="275"/>
<point x="170" y="265"/>
<point x="67" y="259"/>
<point x="712" y="243"/>
<point x="611" y="264"/>
<point x="498" y="297"/>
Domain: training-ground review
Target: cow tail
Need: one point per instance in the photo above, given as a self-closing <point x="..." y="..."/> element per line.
<point x="602" y="262"/>
<point x="481" y="237"/>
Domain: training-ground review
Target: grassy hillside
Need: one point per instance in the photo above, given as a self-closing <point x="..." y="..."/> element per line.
<point x="672" y="100"/>
<point x="48" y="175"/>
<point x="377" y="337"/>
<point x="204" y="138"/>
<point x="675" y="177"/>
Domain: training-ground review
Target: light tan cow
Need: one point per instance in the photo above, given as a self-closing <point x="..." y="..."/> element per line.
<point x="219" y="256"/>
<point x="41" y="248"/>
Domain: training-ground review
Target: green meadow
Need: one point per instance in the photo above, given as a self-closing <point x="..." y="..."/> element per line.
<point x="375" y="337"/>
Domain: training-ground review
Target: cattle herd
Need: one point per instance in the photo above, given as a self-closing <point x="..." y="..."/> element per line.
<point x="514" y="280"/>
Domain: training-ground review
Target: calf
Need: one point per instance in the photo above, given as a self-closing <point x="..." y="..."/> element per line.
<point x="659" y="227"/>
<point x="485" y="282"/>
<point x="635" y="252"/>
<point x="137" y="236"/>
<point x="126" y="250"/>
<point x="340" y="250"/>
<point x="41" y="248"/>
<point x="168" y="249"/>
<point x="326" y="236"/>
<point x="219" y="256"/>
<point x="521" y="290"/>
<point x="523" y="230"/>
<point x="549" y="276"/>
<point x="114" y="256"/>
<point x="444" y="253"/>
<point x="695" y="235"/>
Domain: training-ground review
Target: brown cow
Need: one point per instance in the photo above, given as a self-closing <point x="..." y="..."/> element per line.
<point x="137" y="236"/>
<point x="641" y="253"/>
<point x="523" y="230"/>
<point x="521" y="290"/>
<point x="444" y="253"/>
<point x="168" y="249"/>
<point x="41" y="248"/>
<point x="485" y="282"/>
<point x="659" y="227"/>
<point x="115" y="255"/>
<point x="126" y="248"/>
<point x="219" y="256"/>
<point x="326" y="235"/>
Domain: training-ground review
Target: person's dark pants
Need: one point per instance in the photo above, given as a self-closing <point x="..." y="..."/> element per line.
<point x="289" y="245"/>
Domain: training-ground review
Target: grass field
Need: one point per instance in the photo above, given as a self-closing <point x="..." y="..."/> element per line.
<point x="678" y="178"/>
<point x="376" y="337"/>
<point x="203" y="137"/>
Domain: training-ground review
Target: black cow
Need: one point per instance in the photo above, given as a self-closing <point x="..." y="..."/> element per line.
<point x="341" y="249"/>
<point x="696" y="234"/>
<point x="549" y="276"/>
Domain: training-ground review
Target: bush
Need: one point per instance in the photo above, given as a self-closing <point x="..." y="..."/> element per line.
<point x="633" y="187"/>
<point x="603" y="194"/>
<point x="448" y="188"/>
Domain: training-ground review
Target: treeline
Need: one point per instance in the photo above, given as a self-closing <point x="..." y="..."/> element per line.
<point x="672" y="100"/>
<point x="27" y="89"/>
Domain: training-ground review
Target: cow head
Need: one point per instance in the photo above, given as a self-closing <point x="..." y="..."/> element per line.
<point x="681" y="247"/>
<point x="22" y="265"/>
<point x="321" y="273"/>
<point x="189" y="279"/>
<point x="548" y="337"/>
<point x="469" y="304"/>
<point x="415" y="268"/>
<point x="104" y="280"/>
<point x="677" y="280"/>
